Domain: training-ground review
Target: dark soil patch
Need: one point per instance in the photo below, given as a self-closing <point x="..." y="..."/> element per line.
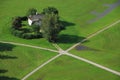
<point x="81" y="47"/>
<point x="107" y="11"/>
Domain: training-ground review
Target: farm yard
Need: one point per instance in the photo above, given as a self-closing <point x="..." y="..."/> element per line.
<point x="88" y="49"/>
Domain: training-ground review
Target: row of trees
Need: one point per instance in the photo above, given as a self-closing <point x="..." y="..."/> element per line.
<point x="26" y="33"/>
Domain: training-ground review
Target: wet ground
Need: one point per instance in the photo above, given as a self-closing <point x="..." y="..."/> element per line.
<point x="85" y="48"/>
<point x="108" y="10"/>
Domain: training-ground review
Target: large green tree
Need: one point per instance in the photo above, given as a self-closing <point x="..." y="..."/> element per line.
<point x="50" y="27"/>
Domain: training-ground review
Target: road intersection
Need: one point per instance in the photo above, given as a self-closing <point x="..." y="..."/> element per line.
<point x="60" y="52"/>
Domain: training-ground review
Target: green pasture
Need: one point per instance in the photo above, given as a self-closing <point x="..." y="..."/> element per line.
<point x="16" y="61"/>
<point x="78" y="17"/>
<point x="67" y="68"/>
<point x="103" y="49"/>
<point x="76" y="14"/>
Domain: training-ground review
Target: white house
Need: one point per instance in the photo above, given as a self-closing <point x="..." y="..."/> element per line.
<point x="29" y="21"/>
<point x="35" y="19"/>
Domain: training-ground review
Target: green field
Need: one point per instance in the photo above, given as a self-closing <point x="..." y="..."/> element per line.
<point x="81" y="18"/>
<point x="77" y="17"/>
<point x="67" y="68"/>
<point x="18" y="61"/>
<point x="103" y="49"/>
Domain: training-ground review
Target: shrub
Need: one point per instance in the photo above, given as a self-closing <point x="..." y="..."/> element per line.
<point x="17" y="33"/>
<point x="24" y="18"/>
<point x="17" y="23"/>
<point x="35" y="28"/>
<point x="27" y="36"/>
<point x="50" y="10"/>
<point x="26" y="30"/>
<point x="31" y="35"/>
<point x="31" y="11"/>
<point x="38" y="35"/>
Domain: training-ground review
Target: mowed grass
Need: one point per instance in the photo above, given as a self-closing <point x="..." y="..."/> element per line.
<point x="81" y="18"/>
<point x="76" y="13"/>
<point x="104" y="48"/>
<point x="67" y="68"/>
<point x="16" y="61"/>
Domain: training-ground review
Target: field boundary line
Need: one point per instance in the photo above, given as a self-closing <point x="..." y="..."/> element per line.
<point x="94" y="34"/>
<point x="42" y="65"/>
<point x="20" y="44"/>
<point x="94" y="64"/>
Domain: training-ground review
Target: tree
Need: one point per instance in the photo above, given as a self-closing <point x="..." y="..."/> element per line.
<point x="50" y="24"/>
<point x="50" y="27"/>
<point x="31" y="11"/>
<point x="36" y="28"/>
<point x="50" y="10"/>
<point x="17" y="23"/>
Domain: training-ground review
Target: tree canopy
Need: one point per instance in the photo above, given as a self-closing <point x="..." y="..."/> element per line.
<point x="50" y="24"/>
<point x="50" y="10"/>
<point x="31" y="11"/>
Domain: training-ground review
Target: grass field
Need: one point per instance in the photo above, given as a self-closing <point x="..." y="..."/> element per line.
<point x="16" y="61"/>
<point x="103" y="48"/>
<point x="77" y="16"/>
<point x="67" y="68"/>
<point x="79" y="31"/>
<point x="82" y="18"/>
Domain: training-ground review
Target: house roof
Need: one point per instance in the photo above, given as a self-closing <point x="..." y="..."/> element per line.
<point x="36" y="17"/>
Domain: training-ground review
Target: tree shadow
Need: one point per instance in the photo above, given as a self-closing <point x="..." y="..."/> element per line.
<point x="6" y="47"/>
<point x="66" y="24"/>
<point x="7" y="57"/>
<point x="8" y="78"/>
<point x="69" y="39"/>
<point x="3" y="71"/>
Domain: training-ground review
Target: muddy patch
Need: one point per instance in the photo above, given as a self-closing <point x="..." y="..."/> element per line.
<point x="85" y="48"/>
<point x="107" y="11"/>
